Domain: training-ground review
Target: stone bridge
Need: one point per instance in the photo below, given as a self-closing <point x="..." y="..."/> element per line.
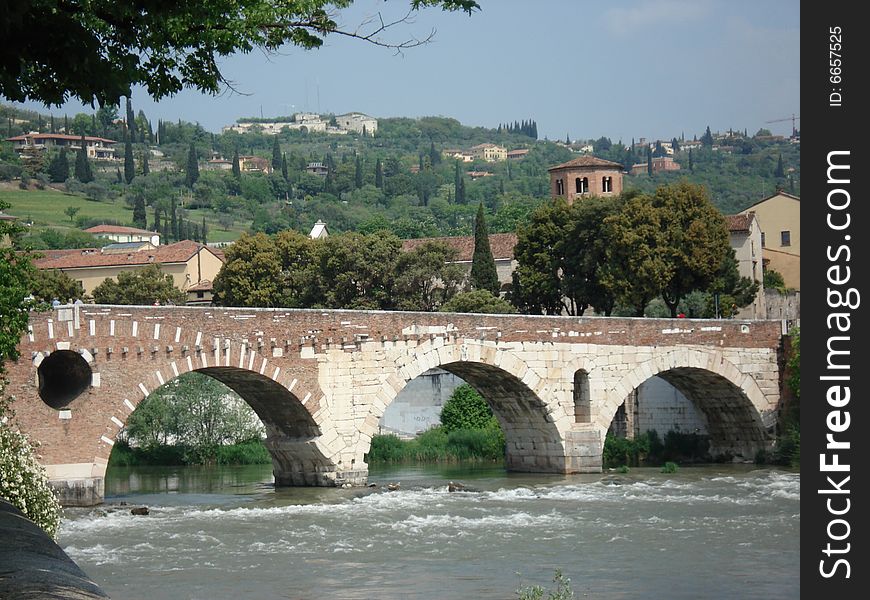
<point x="321" y="380"/>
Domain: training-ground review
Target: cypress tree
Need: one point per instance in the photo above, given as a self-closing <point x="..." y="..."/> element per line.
<point x="173" y="215"/>
<point x="145" y="168"/>
<point x="52" y="128"/>
<point x="83" y="170"/>
<point x="358" y="173"/>
<point x="164" y="231"/>
<point x="139" y="216"/>
<point x="284" y="172"/>
<point x="379" y="174"/>
<point x="58" y="169"/>
<point x="156" y="226"/>
<point x="131" y="119"/>
<point x="707" y="138"/>
<point x="460" y="198"/>
<point x="203" y="231"/>
<point x="192" y="173"/>
<point x="457" y="184"/>
<point x="119" y="178"/>
<point x="434" y="155"/>
<point x="237" y="170"/>
<point x="129" y="165"/>
<point x="780" y="171"/>
<point x="66" y="124"/>
<point x="94" y="128"/>
<point x="691" y="164"/>
<point x="484" y="275"/>
<point x="649" y="169"/>
<point x="567" y="139"/>
<point x="276" y="155"/>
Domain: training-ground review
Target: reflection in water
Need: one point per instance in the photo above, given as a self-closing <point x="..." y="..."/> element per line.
<point x="711" y="532"/>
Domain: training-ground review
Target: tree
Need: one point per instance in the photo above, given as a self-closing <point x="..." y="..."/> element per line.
<point x="237" y="170"/>
<point x="130" y="119"/>
<point x="142" y="286"/>
<point x="71" y="212"/>
<point x="53" y="284"/>
<point x="203" y="231"/>
<point x="649" y="164"/>
<point x="145" y="168"/>
<point x="465" y="409"/>
<point x="780" y="171"/>
<point x="251" y="274"/>
<point x="358" y="173"/>
<point x="284" y="173"/>
<point x="695" y="239"/>
<point x="379" y="175"/>
<point x="129" y="165"/>
<point x="484" y="275"/>
<point x="139" y="216"/>
<point x="427" y="277"/>
<point x="191" y="173"/>
<point x="107" y="48"/>
<point x="536" y="282"/>
<point x="16" y="271"/>
<point x="707" y="138"/>
<point x="477" y="301"/>
<point x="58" y="169"/>
<point x="276" y="155"/>
<point x="83" y="170"/>
<point x="635" y="270"/>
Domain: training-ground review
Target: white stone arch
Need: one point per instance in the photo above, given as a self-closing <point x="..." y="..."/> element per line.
<point x="750" y="416"/>
<point x="517" y="393"/>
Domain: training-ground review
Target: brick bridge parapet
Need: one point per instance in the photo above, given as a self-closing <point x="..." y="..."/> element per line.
<point x="320" y="380"/>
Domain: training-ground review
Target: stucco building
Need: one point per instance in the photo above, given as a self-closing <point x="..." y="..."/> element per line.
<point x="189" y="263"/>
<point x="123" y="234"/>
<point x="96" y="147"/>
<point x="585" y="176"/>
<point x="744" y="233"/>
<point x="779" y="217"/>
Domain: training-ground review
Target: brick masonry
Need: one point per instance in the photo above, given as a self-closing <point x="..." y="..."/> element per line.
<point x="321" y="380"/>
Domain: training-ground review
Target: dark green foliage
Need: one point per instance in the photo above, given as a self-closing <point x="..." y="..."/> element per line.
<point x="276" y="155"/>
<point x="237" y="171"/>
<point x="129" y="165"/>
<point x="143" y="287"/>
<point x="436" y="445"/>
<point x="484" y="275"/>
<point x="478" y="301"/>
<point x="48" y="285"/>
<point x="707" y="138"/>
<point x="139" y="217"/>
<point x="58" y="169"/>
<point x="83" y="170"/>
<point x="466" y="409"/>
<point x="16" y="270"/>
<point x="649" y="449"/>
<point x="191" y="173"/>
<point x="145" y="168"/>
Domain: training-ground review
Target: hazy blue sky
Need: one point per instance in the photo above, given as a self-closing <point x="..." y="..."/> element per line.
<point x="639" y="68"/>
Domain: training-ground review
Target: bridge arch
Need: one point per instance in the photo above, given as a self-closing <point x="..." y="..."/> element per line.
<point x="292" y="433"/>
<point x="740" y="417"/>
<point x="514" y="391"/>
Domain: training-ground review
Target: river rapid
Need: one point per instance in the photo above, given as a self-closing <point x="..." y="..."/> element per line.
<point x="719" y="531"/>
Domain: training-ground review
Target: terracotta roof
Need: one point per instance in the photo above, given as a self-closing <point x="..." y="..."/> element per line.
<point x="89" y="257"/>
<point x="119" y="229"/>
<point x="739" y="222"/>
<point x="203" y="286"/>
<point x="502" y="245"/>
<point x="586" y="161"/>
<point x="58" y="136"/>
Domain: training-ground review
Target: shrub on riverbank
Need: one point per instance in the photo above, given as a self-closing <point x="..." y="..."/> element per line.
<point x="649" y="449"/>
<point x="436" y="445"/>
<point x="251" y="452"/>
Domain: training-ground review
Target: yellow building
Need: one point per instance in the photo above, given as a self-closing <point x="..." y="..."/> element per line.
<point x="779" y="216"/>
<point x="189" y="263"/>
<point x="489" y="152"/>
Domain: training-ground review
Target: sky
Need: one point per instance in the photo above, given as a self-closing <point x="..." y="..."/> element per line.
<point x="622" y="69"/>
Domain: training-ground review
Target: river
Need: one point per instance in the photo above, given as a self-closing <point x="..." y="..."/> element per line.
<point x="717" y="531"/>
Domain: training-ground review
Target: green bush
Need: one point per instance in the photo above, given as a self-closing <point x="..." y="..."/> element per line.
<point x="670" y="467"/>
<point x="466" y="409"/>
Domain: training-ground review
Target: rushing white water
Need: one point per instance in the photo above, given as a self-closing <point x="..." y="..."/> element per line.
<point x="711" y="532"/>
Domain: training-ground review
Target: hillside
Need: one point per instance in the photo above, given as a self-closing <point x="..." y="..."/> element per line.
<point x="400" y="179"/>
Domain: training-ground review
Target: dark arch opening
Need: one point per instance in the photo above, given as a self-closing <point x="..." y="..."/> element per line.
<point x="531" y="438"/>
<point x="733" y="426"/>
<point x="63" y="376"/>
<point x="582" y="397"/>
